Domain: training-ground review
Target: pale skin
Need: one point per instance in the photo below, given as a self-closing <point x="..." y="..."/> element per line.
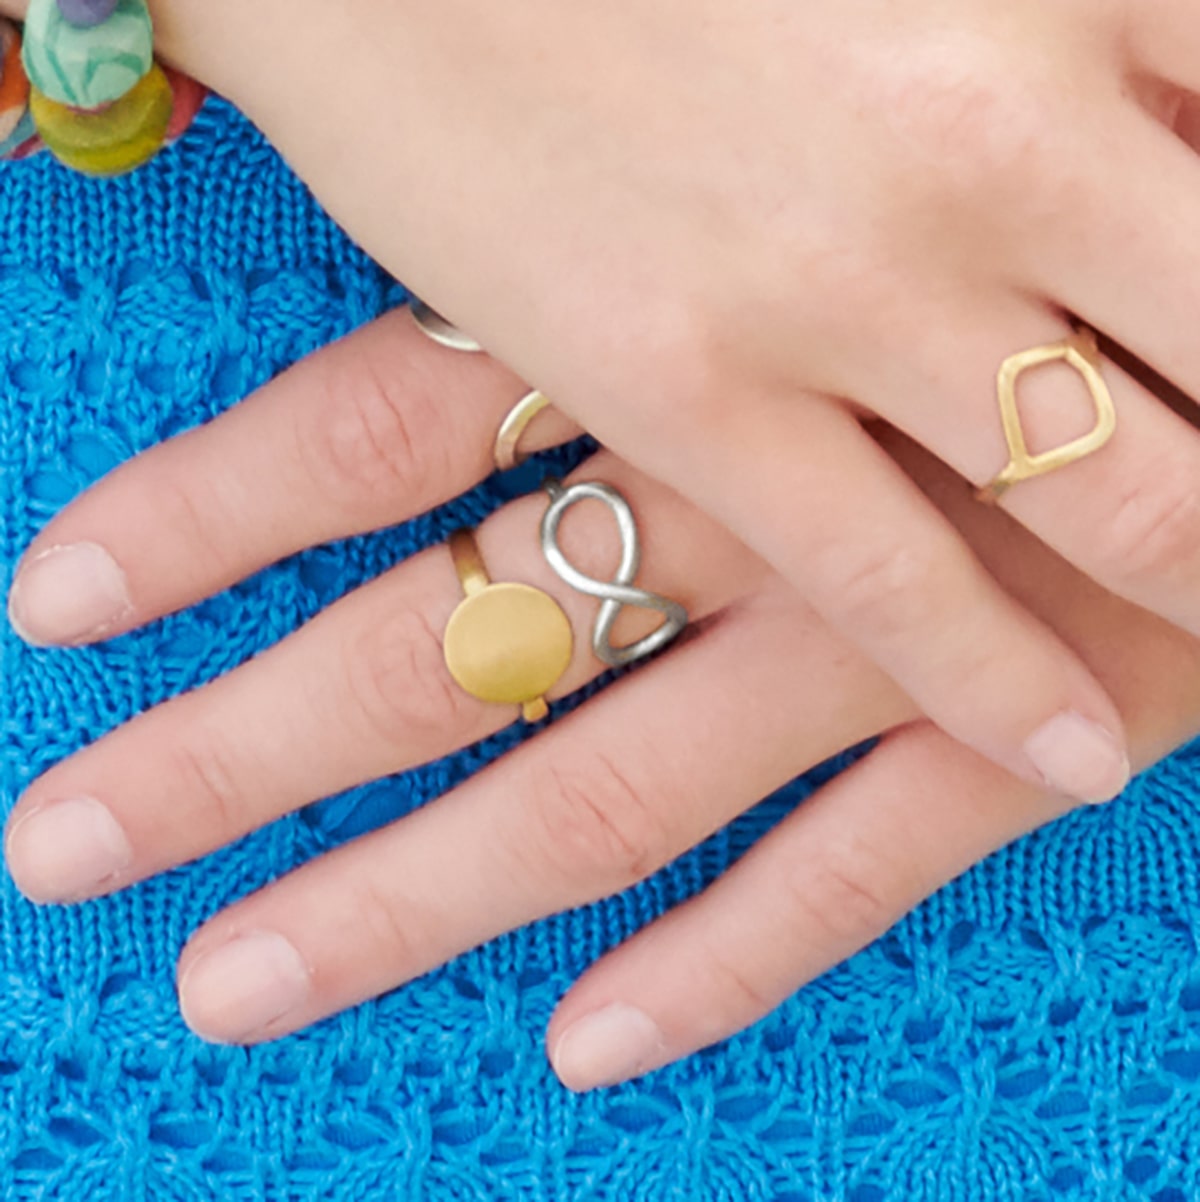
<point x="761" y="691"/>
<point x="783" y="529"/>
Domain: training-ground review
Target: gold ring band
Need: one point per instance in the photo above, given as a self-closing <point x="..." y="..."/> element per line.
<point x="433" y="325"/>
<point x="506" y="643"/>
<point x="1080" y="351"/>
<point x="506" y="453"/>
<point x="468" y="563"/>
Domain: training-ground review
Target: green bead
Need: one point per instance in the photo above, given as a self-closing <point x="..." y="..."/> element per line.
<point x="87" y="68"/>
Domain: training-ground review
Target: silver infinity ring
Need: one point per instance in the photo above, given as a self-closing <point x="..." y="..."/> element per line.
<point x="619" y="592"/>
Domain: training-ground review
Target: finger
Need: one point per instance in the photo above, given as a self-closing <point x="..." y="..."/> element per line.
<point x="376" y="428"/>
<point x="362" y="691"/>
<point x="1163" y="36"/>
<point x="866" y="849"/>
<point x="1127" y="515"/>
<point x="556" y="822"/>
<point x="803" y="485"/>
<point x="831" y="878"/>
<point x="1129" y="264"/>
<point x="599" y="801"/>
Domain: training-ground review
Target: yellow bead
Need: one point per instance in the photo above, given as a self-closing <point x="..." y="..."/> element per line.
<point x="112" y="140"/>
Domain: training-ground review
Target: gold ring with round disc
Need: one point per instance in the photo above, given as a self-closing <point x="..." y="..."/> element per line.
<point x="509" y="643"/>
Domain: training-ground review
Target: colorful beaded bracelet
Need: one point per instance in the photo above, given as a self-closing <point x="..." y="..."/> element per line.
<point x="82" y="82"/>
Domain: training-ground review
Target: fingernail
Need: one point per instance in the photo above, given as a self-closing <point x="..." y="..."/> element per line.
<point x="607" y="1046"/>
<point x="235" y="992"/>
<point x="68" y="594"/>
<point x="1078" y="757"/>
<point x="64" y="850"/>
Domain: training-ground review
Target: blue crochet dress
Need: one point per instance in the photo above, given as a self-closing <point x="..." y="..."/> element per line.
<point x="1031" y="1033"/>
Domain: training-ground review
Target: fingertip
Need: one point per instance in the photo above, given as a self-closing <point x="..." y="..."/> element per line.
<point x="607" y="1046"/>
<point x="68" y="594"/>
<point x="1079" y="757"/>
<point x="66" y="850"/>
<point x="252" y="988"/>
<point x="17" y="622"/>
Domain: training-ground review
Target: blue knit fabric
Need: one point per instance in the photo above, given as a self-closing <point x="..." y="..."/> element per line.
<point x="1031" y="1033"/>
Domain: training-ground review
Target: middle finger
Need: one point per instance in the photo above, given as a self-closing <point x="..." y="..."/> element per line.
<point x="360" y="692"/>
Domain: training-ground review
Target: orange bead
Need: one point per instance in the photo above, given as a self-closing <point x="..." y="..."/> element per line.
<point x="190" y="96"/>
<point x="14" y="83"/>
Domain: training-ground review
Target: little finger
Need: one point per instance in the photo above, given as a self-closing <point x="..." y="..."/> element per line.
<point x="832" y="877"/>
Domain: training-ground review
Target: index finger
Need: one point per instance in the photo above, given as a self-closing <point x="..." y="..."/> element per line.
<point x="370" y="431"/>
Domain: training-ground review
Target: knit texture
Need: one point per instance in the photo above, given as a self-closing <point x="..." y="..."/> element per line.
<point x="1031" y="1033"/>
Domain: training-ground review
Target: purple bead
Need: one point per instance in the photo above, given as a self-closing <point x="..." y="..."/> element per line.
<point x="85" y="13"/>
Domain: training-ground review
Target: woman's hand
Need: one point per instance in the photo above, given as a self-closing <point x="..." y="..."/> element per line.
<point x="718" y="233"/>
<point x="385" y="425"/>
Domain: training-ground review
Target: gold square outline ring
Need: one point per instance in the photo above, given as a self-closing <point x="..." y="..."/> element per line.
<point x="1081" y="351"/>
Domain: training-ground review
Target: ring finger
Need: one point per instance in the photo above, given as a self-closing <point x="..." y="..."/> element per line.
<point x="598" y="802"/>
<point x="1127" y="515"/>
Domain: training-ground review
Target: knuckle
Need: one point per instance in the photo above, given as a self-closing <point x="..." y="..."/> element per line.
<point x="360" y="443"/>
<point x="679" y="360"/>
<point x="212" y="781"/>
<point x="198" y="517"/>
<point x="962" y="107"/>
<point x="841" y="894"/>
<point x="384" y="930"/>
<point x="1154" y="533"/>
<point x="399" y="682"/>
<point x="590" y="822"/>
<point x="892" y="591"/>
<point x="736" y="988"/>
